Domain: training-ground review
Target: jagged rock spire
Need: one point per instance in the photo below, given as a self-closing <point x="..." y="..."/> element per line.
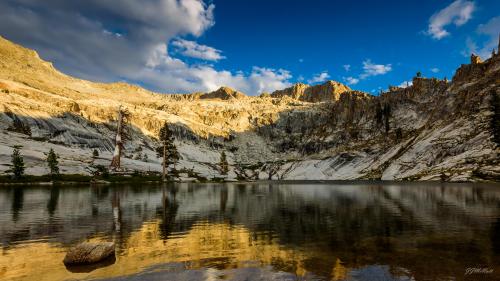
<point x="498" y="49"/>
<point x="474" y="59"/>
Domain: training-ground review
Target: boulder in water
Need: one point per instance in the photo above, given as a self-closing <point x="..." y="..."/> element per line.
<point x="88" y="253"/>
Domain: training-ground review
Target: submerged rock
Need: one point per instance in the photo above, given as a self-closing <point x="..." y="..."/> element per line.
<point x="88" y="253"/>
<point x="97" y="181"/>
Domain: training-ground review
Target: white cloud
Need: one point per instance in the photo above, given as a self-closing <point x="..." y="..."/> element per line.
<point x="351" y="80"/>
<point x="347" y="67"/>
<point x="195" y="50"/>
<point x="321" y="77"/>
<point x="371" y="69"/>
<point x="180" y="77"/>
<point x="459" y="12"/>
<point x="301" y="60"/>
<point x="159" y="57"/>
<point x="405" y="84"/>
<point x="109" y="33"/>
<point x="435" y="70"/>
<point x="267" y="80"/>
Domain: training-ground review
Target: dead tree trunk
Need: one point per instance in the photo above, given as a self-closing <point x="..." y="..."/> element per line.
<point x="119" y="139"/>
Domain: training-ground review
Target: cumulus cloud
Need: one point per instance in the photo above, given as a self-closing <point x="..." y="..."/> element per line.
<point x="195" y="50"/>
<point x="98" y="39"/>
<point x="458" y="13"/>
<point x="320" y="77"/>
<point x="190" y="78"/>
<point x="372" y="69"/>
<point x="347" y="67"/>
<point x="369" y="69"/>
<point x="351" y="80"/>
<point x="103" y="41"/>
<point x="268" y="80"/>
<point x="435" y="70"/>
<point x="181" y="77"/>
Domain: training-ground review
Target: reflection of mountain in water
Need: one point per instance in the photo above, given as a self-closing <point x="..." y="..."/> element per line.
<point x="422" y="227"/>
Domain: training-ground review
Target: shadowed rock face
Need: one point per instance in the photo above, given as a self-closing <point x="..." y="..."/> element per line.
<point x="88" y="253"/>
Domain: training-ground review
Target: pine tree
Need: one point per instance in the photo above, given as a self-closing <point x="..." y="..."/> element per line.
<point x="419" y="74"/>
<point x="168" y="150"/>
<point x="223" y="165"/>
<point x="145" y="158"/>
<point x="17" y="163"/>
<point x="95" y="153"/>
<point x="173" y="155"/>
<point x="53" y="163"/>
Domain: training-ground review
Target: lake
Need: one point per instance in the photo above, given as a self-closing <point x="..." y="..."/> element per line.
<point x="255" y="231"/>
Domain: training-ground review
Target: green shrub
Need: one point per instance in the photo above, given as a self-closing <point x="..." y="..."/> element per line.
<point x="53" y="163"/>
<point x="17" y="163"/>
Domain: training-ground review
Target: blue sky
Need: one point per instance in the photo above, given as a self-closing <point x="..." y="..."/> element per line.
<point x="254" y="46"/>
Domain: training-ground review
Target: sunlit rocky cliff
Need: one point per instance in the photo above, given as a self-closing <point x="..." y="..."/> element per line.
<point x="431" y="130"/>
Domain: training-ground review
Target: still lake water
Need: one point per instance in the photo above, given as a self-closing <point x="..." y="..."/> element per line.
<point x="255" y="231"/>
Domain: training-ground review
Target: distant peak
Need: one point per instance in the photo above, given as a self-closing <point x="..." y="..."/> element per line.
<point x="226" y="89"/>
<point x="300" y="84"/>
<point x="328" y="91"/>
<point x="224" y="93"/>
<point x="332" y="82"/>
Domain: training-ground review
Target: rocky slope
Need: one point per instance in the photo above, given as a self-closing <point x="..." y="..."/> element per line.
<point x="433" y="129"/>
